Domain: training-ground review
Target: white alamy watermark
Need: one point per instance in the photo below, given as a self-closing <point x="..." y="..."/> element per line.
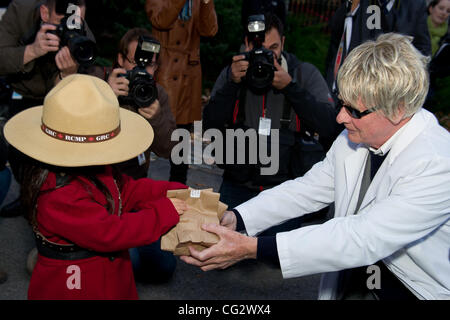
<point x="74" y="20"/>
<point x="374" y="280"/>
<point x="74" y="280"/>
<point x="235" y="142"/>
<point x="374" y="21"/>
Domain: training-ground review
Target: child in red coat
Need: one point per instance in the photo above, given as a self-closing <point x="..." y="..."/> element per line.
<point x="85" y="214"/>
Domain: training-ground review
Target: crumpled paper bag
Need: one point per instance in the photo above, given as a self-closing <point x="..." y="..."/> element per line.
<point x="204" y="207"/>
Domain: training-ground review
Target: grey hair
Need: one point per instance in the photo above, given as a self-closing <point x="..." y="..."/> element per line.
<point x="387" y="75"/>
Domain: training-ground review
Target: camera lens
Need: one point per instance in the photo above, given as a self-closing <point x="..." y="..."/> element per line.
<point x="82" y="49"/>
<point x="260" y="72"/>
<point x="260" y="76"/>
<point x="144" y="93"/>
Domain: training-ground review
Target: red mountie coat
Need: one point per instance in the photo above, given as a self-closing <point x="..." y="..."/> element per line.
<point x="74" y="214"/>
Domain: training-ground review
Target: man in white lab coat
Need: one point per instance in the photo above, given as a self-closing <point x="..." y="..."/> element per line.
<point x="388" y="175"/>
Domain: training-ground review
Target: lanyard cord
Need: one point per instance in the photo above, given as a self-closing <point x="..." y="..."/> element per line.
<point x="264" y="106"/>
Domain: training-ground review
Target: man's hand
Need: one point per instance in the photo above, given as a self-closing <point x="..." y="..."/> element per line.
<point x="281" y="78"/>
<point x="43" y="43"/>
<point x="229" y="220"/>
<point x="119" y="84"/>
<point x="65" y="62"/>
<point x="150" y="111"/>
<point x="239" y="68"/>
<point x="231" y="248"/>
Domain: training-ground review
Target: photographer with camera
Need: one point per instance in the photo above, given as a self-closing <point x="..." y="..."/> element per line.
<point x="267" y="88"/>
<point x="132" y="80"/>
<point x="41" y="42"/>
<point x="36" y="51"/>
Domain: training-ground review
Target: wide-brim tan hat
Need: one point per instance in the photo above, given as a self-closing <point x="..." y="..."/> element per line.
<point x="80" y="124"/>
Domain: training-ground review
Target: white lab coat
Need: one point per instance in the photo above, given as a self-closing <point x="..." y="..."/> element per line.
<point x="404" y="217"/>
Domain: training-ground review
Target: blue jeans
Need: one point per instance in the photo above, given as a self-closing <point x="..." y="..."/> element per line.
<point x="234" y="194"/>
<point x="5" y="181"/>
<point x="151" y="264"/>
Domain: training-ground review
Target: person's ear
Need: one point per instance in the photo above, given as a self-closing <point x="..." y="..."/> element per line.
<point x="399" y="115"/>
<point x="282" y="42"/>
<point x="45" y="13"/>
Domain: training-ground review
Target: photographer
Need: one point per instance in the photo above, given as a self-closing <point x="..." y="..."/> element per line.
<point x="34" y="57"/>
<point x="132" y="80"/>
<point x="157" y="112"/>
<point x="241" y="98"/>
<point x="31" y="54"/>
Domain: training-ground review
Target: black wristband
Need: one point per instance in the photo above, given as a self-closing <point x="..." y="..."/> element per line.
<point x="240" y="226"/>
<point x="267" y="250"/>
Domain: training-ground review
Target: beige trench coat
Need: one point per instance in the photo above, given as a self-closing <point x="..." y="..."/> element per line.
<point x="180" y="72"/>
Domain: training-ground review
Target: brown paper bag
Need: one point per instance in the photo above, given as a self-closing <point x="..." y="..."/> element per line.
<point x="204" y="207"/>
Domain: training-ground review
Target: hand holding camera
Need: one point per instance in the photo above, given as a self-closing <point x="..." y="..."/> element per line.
<point x="118" y="83"/>
<point x="281" y="77"/>
<point x="65" y="63"/>
<point x="44" y="42"/>
<point x="151" y="111"/>
<point x="239" y="68"/>
<point x="74" y="36"/>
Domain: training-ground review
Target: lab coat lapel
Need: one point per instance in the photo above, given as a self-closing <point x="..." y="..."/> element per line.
<point x="374" y="185"/>
<point x="413" y="128"/>
<point x="354" y="170"/>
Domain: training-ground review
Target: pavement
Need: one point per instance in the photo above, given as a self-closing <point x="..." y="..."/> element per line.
<point x="247" y="280"/>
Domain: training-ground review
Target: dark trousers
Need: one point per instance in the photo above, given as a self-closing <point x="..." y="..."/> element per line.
<point x="353" y="286"/>
<point x="178" y="172"/>
<point x="151" y="264"/>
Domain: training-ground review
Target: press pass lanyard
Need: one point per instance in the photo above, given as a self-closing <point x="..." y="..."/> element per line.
<point x="264" y="123"/>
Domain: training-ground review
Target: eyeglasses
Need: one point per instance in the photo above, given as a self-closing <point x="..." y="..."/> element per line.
<point x="149" y="64"/>
<point x="355" y="114"/>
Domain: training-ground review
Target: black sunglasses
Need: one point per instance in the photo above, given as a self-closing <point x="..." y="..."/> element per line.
<point x="355" y="114"/>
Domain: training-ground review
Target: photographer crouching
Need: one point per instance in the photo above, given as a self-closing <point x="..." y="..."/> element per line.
<point x="132" y="80"/>
<point x="41" y="42"/>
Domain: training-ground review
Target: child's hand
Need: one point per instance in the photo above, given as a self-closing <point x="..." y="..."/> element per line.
<point x="179" y="205"/>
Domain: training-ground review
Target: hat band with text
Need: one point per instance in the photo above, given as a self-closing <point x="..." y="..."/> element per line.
<point x="62" y="136"/>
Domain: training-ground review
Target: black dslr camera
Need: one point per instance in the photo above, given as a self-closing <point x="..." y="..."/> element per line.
<point x="261" y="69"/>
<point x="72" y="33"/>
<point x="142" y="88"/>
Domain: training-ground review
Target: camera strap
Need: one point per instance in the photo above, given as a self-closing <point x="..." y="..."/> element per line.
<point x="285" y="120"/>
<point x="239" y="106"/>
